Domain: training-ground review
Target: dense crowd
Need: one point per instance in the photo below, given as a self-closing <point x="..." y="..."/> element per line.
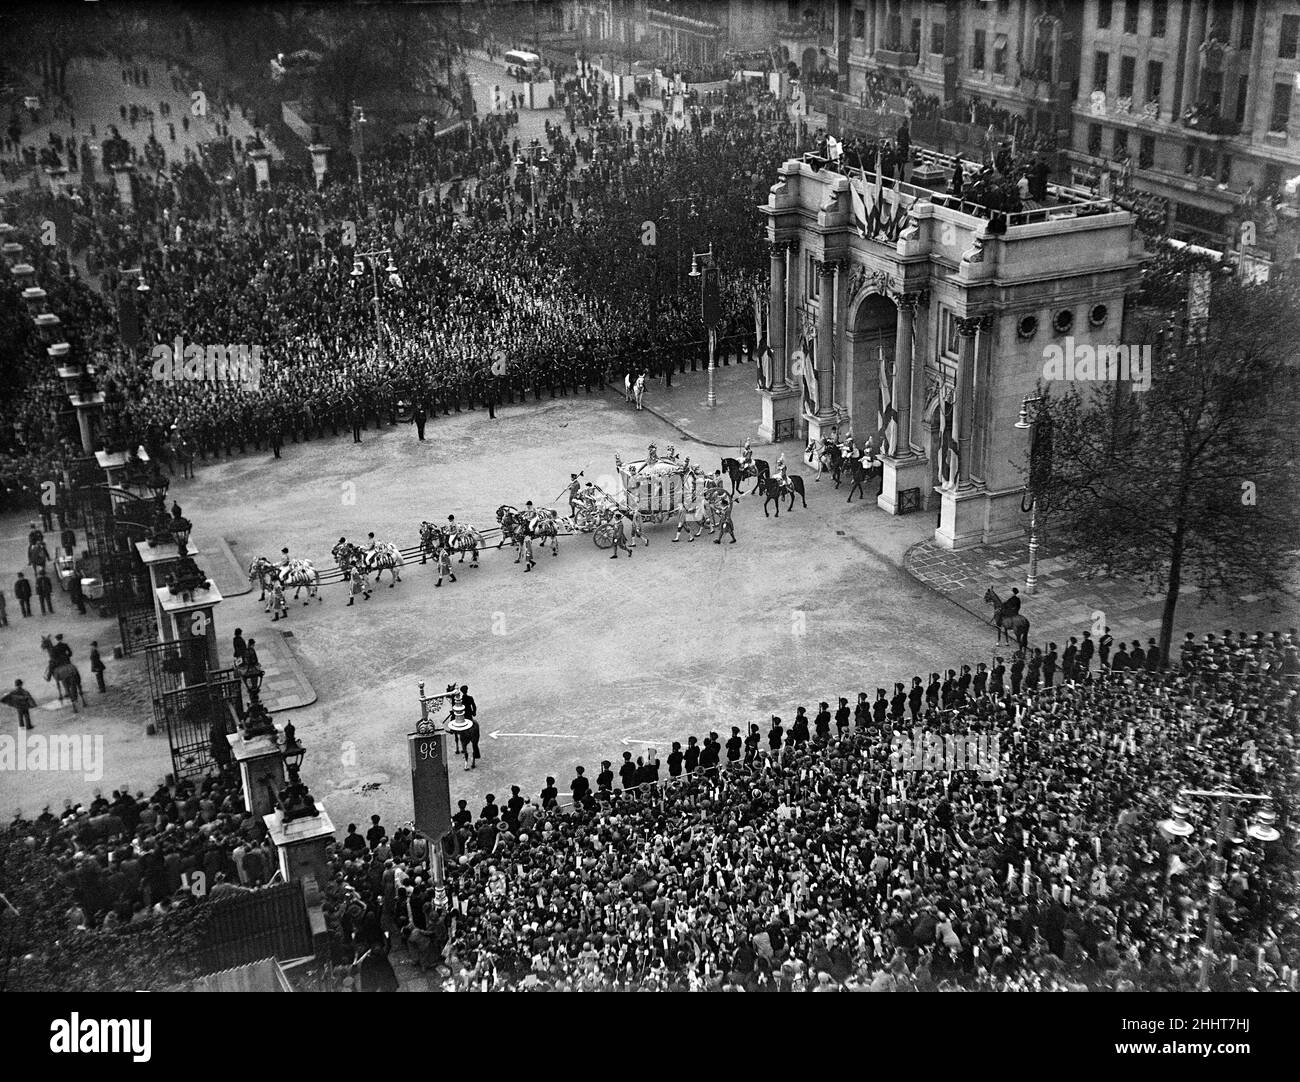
<point x="493" y="277"/>
<point x="797" y="859"/>
<point x="809" y="857"/>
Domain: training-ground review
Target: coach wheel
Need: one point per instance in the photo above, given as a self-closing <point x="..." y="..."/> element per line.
<point x="604" y="536"/>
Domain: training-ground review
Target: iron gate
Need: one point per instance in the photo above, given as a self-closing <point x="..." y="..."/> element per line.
<point x="138" y="628"/>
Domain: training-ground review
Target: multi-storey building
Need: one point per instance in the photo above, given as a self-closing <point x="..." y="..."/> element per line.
<point x="1191" y="103"/>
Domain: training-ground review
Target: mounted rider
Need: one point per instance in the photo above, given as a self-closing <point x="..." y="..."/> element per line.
<point x="747" y="467"/>
<point x="782" y="472"/>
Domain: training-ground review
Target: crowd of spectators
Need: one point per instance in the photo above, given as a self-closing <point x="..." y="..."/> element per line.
<point x="797" y="859"/>
<point x="812" y="856"/>
<point x="491" y="248"/>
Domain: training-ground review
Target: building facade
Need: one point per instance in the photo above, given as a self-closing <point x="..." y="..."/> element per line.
<point x="955" y="322"/>
<point x="1189" y="105"/>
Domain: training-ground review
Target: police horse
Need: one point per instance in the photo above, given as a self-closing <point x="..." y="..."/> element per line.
<point x="66" y="676"/>
<point x="1007" y="626"/>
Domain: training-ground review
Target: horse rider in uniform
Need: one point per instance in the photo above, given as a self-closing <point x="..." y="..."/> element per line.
<point x="746" y="460"/>
<point x="782" y="473"/>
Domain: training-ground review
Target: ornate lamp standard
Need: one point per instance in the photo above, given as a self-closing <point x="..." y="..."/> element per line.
<point x="534" y="167"/>
<point x="705" y="269"/>
<point x="1040" y="474"/>
<point x="1261" y="829"/>
<point x="359" y="264"/>
<point x="257" y="719"/>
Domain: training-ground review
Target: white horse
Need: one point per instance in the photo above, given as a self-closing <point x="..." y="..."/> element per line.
<point x="639" y="390"/>
<point x="384" y="556"/>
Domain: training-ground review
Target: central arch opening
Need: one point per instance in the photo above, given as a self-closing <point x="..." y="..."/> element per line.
<point x="872" y="340"/>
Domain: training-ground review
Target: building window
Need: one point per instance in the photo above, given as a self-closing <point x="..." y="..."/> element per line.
<point x="859" y="23"/>
<point x="1119" y="149"/>
<point x="949" y="339"/>
<point x="937" y="36"/>
<point x="1280" y="118"/>
<point x="916" y="36"/>
<point x="1127" y="76"/>
<point x="1225" y="169"/>
<point x="1147" y="152"/>
<point x="1130" y="16"/>
<point x="1094" y="140"/>
<point x="1287" y="39"/>
<point x="1100" y="70"/>
<point x="1189" y="159"/>
<point x="814" y="280"/>
<point x="977" y="51"/>
<point x="1247" y="25"/>
<point x="1103" y="14"/>
<point x="1000" y="55"/>
<point x="1243" y="95"/>
<point x="1004" y="6"/>
<point x="1155" y="80"/>
<point x="1159" y="18"/>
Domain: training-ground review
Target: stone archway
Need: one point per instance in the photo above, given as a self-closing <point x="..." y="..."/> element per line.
<point x="808" y="64"/>
<point x="872" y="332"/>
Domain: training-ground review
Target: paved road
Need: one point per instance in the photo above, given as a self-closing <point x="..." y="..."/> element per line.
<point x="680" y="639"/>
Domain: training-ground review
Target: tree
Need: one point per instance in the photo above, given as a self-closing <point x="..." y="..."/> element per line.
<point x="1193" y="479"/>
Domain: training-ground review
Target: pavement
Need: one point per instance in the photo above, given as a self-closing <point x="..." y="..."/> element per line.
<point x="96" y="89"/>
<point x="1068" y="601"/>
<point x="684" y="406"/>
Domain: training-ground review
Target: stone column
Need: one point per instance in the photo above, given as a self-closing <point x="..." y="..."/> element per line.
<point x="1195" y="19"/>
<point x="979" y="465"/>
<point x="907" y="305"/>
<point x="965" y="404"/>
<point x="825" y="337"/>
<point x="795" y="288"/>
<point x="777" y="374"/>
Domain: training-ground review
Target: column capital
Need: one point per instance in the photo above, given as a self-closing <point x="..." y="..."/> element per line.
<point x="908" y="302"/>
<point x="986" y="321"/>
<point x="968" y="325"/>
<point x="827" y="267"/>
<point x="777" y="248"/>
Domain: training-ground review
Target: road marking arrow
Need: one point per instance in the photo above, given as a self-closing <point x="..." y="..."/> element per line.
<point x="496" y="734"/>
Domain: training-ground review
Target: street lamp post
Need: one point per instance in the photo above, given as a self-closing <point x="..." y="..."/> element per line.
<point x="432" y="791"/>
<point x="704" y="268"/>
<point x="534" y="171"/>
<point x="1261" y="829"/>
<point x="1040" y="450"/>
<point x="368" y="258"/>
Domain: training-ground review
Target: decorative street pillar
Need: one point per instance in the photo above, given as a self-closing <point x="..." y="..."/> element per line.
<point x="299" y="827"/>
<point x="320" y="161"/>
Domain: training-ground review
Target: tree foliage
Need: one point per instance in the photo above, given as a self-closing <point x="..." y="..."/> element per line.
<point x="1195" y="478"/>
